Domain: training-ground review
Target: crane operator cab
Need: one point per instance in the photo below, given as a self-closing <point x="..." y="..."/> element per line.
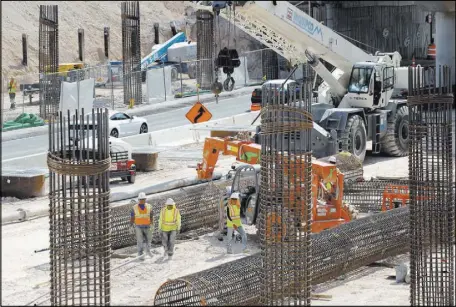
<point x="371" y="85"/>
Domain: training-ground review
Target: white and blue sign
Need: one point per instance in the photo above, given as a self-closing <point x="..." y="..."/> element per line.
<point x="304" y="23"/>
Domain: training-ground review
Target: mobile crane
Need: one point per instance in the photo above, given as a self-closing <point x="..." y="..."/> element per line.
<point x="355" y="101"/>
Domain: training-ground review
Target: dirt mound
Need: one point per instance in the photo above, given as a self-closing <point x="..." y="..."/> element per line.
<point x="20" y="17"/>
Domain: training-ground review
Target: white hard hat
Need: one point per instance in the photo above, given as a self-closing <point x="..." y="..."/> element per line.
<point x="169" y="201"/>
<point x="332" y="159"/>
<point x="142" y="195"/>
<point x="235" y="195"/>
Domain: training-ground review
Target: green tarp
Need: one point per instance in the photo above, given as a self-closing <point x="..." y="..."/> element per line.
<point x="25" y="120"/>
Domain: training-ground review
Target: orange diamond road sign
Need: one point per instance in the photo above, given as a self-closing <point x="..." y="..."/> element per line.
<point x="198" y="114"/>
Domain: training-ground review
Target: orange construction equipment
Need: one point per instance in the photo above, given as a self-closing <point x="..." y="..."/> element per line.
<point x="395" y="196"/>
<point x="328" y="209"/>
<point x="245" y="151"/>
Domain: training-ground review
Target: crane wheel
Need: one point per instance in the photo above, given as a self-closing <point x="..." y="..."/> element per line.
<point x="354" y="137"/>
<point x="396" y="140"/>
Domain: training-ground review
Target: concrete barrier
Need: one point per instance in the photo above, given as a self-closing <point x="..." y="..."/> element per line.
<point x="23" y="184"/>
<point x="177" y="136"/>
<point x="187" y="134"/>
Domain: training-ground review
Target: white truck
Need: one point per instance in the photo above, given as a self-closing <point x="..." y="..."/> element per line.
<point x="359" y="101"/>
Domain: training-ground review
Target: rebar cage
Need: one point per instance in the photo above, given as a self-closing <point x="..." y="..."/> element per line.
<point x="48" y="61"/>
<point x="131" y="52"/>
<point x="367" y="196"/>
<point x="335" y="251"/>
<point x="80" y="251"/>
<point x="285" y="194"/>
<point x="432" y="205"/>
<point x="204" y="49"/>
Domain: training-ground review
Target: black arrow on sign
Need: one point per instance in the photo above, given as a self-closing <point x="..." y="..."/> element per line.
<point x="201" y="111"/>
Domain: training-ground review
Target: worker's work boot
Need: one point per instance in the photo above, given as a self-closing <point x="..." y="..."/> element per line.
<point x="149" y="253"/>
<point x="165" y="252"/>
<point x="229" y="251"/>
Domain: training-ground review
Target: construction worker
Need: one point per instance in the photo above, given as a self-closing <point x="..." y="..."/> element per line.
<point x="222" y="210"/>
<point x="12" y="86"/>
<point x="431" y="50"/>
<point x="142" y="221"/>
<point x="233" y="222"/>
<point x="169" y="224"/>
<point x="329" y="192"/>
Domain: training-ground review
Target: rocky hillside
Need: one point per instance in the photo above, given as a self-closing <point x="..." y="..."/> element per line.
<point x="20" y="17"/>
<point x="23" y="17"/>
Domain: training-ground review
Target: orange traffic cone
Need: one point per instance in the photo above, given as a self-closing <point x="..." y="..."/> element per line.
<point x="413" y="61"/>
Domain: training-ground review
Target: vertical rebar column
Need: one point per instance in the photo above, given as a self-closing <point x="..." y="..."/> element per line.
<point x="106" y="42"/>
<point x="156" y="33"/>
<point x="285" y="195"/>
<point x="131" y="50"/>
<point x="432" y="206"/>
<point x="270" y="64"/>
<point x="81" y="45"/>
<point x="24" y="49"/>
<point x="79" y="161"/>
<point x="204" y="49"/>
<point x="49" y="61"/>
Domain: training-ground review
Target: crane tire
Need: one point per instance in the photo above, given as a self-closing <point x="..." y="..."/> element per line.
<point x="396" y="140"/>
<point x="354" y="137"/>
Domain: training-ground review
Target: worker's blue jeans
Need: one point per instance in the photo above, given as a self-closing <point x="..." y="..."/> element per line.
<point x="229" y="236"/>
<point x="143" y="234"/>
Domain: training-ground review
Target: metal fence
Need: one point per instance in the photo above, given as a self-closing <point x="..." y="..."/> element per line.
<point x="166" y="82"/>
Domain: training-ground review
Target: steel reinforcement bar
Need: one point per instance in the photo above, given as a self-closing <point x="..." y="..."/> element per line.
<point x="366" y="196"/>
<point x="432" y="205"/>
<point x="199" y="207"/>
<point x="48" y="61"/>
<point x="204" y="49"/>
<point x="285" y="195"/>
<point x="131" y="52"/>
<point x="334" y="252"/>
<point x="79" y="214"/>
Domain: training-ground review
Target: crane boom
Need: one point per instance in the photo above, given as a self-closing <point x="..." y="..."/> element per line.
<point x="290" y="32"/>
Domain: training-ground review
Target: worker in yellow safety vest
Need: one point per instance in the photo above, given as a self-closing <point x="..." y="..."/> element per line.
<point x="233" y="222"/>
<point x="169" y="224"/>
<point x="142" y="221"/>
<point x="12" y="86"/>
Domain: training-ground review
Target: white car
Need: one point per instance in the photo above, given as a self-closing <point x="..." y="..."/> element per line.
<point x="121" y="124"/>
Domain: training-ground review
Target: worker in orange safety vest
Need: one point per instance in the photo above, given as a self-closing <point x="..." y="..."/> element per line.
<point x="169" y="224"/>
<point x="142" y="221"/>
<point x="431" y="50"/>
<point x="233" y="222"/>
<point x="12" y="86"/>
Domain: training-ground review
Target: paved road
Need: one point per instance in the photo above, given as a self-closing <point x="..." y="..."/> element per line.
<point x="173" y="118"/>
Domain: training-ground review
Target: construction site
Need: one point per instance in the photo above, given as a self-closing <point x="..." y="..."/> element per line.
<point x="221" y="153"/>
